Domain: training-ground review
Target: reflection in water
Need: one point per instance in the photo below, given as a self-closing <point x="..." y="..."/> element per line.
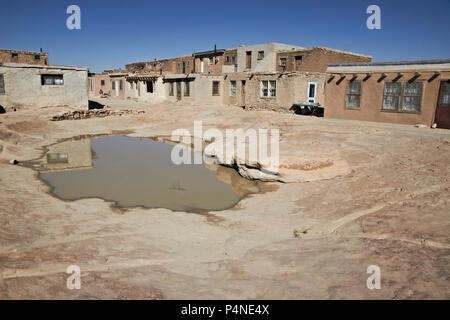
<point x="138" y="172"/>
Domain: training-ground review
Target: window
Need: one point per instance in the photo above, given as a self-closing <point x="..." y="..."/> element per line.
<point x="444" y="99"/>
<point x="37" y="57"/>
<point x="412" y="97"/>
<point x="178" y="65"/>
<point x="402" y="98"/>
<point x="2" y="85"/>
<point x="353" y="94"/>
<point x="52" y="80"/>
<point x="170" y="88"/>
<point x="391" y="97"/>
<point x="113" y="85"/>
<point x="298" y="58"/>
<point x="215" y="88"/>
<point x="227" y="58"/>
<point x="14" y="56"/>
<point x="187" y="88"/>
<point x="312" y="89"/>
<point x="150" y="86"/>
<point x="260" y="55"/>
<point x="283" y="62"/>
<point x="233" y="88"/>
<point x="268" y="88"/>
<point x="120" y="85"/>
<point x="102" y="82"/>
<point x="57" y="158"/>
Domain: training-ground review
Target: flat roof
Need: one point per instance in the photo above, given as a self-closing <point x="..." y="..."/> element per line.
<point x="22" y="51"/>
<point x="40" y="66"/>
<point x="394" y="63"/>
<point x="325" y="49"/>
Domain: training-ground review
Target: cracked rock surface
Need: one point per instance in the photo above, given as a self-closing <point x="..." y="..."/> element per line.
<point x="355" y="194"/>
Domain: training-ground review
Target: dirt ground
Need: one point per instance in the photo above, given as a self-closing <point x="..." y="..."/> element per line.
<point x="362" y="194"/>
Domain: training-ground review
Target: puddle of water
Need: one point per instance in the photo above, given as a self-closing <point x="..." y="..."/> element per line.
<point x="138" y="172"/>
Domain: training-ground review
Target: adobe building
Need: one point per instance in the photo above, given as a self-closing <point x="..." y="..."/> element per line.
<point x="411" y="92"/>
<point x="24" y="85"/>
<point x="24" y="57"/>
<point x="99" y="82"/>
<point x="251" y="76"/>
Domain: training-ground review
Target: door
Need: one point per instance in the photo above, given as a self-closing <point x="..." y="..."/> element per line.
<point x="243" y="83"/>
<point x="117" y="88"/>
<point x="248" y="60"/>
<point x="184" y="67"/>
<point x="312" y="89"/>
<point x="442" y="118"/>
<point x="178" y="90"/>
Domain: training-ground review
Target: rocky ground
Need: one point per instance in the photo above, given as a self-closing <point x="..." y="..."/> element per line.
<point x="354" y="194"/>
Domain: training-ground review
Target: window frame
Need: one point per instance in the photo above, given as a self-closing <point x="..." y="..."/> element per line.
<point x="53" y="77"/>
<point x="348" y="93"/>
<point x="401" y="98"/>
<point x="281" y="62"/>
<point x="233" y="94"/>
<point x="171" y="91"/>
<point x="441" y="95"/>
<point x="270" y="89"/>
<point x="187" y="89"/>
<point x="261" y="55"/>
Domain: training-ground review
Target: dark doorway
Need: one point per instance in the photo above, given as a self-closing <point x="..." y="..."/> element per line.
<point x="243" y="83"/>
<point x="178" y="90"/>
<point x="442" y="118"/>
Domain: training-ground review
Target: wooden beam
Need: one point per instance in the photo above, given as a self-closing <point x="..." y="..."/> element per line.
<point x="341" y="79"/>
<point x="398" y="77"/>
<point x="367" y="77"/>
<point x="331" y="78"/>
<point x="416" y="75"/>
<point x="382" y="77"/>
<point x="434" y="76"/>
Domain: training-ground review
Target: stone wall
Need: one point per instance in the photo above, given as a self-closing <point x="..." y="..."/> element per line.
<point x="24" y="57"/>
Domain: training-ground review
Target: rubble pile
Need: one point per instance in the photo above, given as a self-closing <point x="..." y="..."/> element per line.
<point x="95" y="113"/>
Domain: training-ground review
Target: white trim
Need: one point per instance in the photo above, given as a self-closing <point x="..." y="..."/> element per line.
<point x="315" y="92"/>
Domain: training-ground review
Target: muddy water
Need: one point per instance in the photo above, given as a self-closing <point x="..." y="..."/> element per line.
<point x="138" y="172"/>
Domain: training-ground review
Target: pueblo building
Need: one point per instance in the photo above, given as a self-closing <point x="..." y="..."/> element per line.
<point x="27" y="80"/>
<point x="411" y="92"/>
<point x="267" y="76"/>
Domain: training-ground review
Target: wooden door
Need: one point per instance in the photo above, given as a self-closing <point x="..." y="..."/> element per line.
<point x="442" y="118"/>
<point x="248" y="61"/>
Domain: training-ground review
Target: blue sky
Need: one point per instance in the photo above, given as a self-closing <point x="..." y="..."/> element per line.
<point x="114" y="33"/>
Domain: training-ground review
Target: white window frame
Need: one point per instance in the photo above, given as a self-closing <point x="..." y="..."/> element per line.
<point x="270" y="87"/>
<point x="315" y="92"/>
<point x="233" y="93"/>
